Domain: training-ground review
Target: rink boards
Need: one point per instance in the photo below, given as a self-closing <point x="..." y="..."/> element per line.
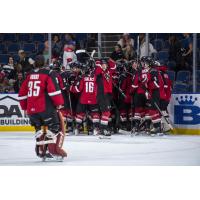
<point x="184" y="112"/>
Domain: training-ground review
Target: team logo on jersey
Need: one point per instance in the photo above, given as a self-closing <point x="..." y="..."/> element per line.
<point x="186" y="111"/>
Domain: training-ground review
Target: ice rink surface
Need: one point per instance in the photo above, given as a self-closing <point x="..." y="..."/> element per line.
<point x="17" y="149"/>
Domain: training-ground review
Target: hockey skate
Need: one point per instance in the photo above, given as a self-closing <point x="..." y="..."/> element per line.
<point x="76" y="131"/>
<point x="156" y="132"/>
<point x="52" y="158"/>
<point x="96" y="131"/>
<point x="135" y="132"/>
<point x="105" y="135"/>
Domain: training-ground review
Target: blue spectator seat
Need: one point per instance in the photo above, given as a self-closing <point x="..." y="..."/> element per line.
<point x="13" y="48"/>
<point x="4" y="58"/>
<point x="172" y="75"/>
<point x="1" y="37"/>
<point x="163" y="55"/>
<point x="29" y="47"/>
<point x="32" y="56"/>
<point x="198" y="43"/>
<point x="24" y="37"/>
<point x="166" y="44"/>
<point x="2" y="48"/>
<point x="198" y="76"/>
<point x="183" y="76"/>
<point x="40" y="47"/>
<point x="198" y="87"/>
<point x="171" y="65"/>
<point x="9" y="37"/>
<point x="158" y="44"/>
<point x="38" y="37"/>
<point x="15" y="57"/>
<point x="180" y="87"/>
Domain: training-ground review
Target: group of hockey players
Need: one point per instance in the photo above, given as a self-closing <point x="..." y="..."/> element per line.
<point x="94" y="96"/>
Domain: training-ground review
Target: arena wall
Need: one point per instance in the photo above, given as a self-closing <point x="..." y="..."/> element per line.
<point x="184" y="112"/>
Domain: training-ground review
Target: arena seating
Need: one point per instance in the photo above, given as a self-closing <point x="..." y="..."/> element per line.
<point x="183" y="76"/>
<point x="172" y="75"/>
<point x="29" y="47"/>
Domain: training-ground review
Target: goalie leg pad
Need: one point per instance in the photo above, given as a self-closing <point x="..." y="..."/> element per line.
<point x="56" y="148"/>
<point x="39" y="149"/>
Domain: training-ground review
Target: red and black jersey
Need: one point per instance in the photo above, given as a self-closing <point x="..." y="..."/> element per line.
<point x="126" y="87"/>
<point x="141" y="81"/>
<point x="167" y="82"/>
<point x="134" y="81"/>
<point x="40" y="91"/>
<point x="87" y="89"/>
<point x="155" y="81"/>
<point x="104" y="80"/>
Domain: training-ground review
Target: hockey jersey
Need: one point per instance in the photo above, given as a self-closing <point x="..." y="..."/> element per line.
<point x="167" y="82"/>
<point x="125" y="87"/>
<point x="87" y="88"/>
<point x="40" y="91"/>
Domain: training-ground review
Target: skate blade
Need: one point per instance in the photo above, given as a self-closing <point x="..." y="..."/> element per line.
<point x="157" y="135"/>
<point x="121" y="131"/>
<point x="104" y="137"/>
<point x="53" y="159"/>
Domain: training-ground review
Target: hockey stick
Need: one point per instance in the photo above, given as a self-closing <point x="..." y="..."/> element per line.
<point x="138" y="56"/>
<point x="159" y="110"/>
<point x="119" y="89"/>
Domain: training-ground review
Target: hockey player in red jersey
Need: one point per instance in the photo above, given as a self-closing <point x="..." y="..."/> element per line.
<point x="103" y="74"/>
<point x="156" y="92"/>
<point x="125" y="109"/>
<point x="40" y="96"/>
<point x="141" y="98"/>
<point x="87" y="88"/>
<point x="164" y="102"/>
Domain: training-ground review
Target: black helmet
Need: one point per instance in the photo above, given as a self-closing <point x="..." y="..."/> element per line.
<point x="104" y="61"/>
<point x="76" y="64"/>
<point x="148" y="59"/>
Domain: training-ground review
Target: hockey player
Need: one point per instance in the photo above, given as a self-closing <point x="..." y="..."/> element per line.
<point x="69" y="56"/>
<point x="103" y="74"/>
<point x="141" y="98"/>
<point x="164" y="102"/>
<point x="87" y="99"/>
<point x="156" y="92"/>
<point x="40" y="96"/>
<point x="70" y="77"/>
<point x="125" y="102"/>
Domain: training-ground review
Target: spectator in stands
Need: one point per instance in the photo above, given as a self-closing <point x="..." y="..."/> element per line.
<point x="46" y="52"/>
<point x="25" y="62"/>
<point x="175" y="51"/>
<point x="56" y="46"/>
<point x="143" y="46"/>
<point x="4" y="83"/>
<point x="91" y="40"/>
<point x="129" y="53"/>
<point x="68" y="39"/>
<point x="69" y="54"/>
<point x="187" y="52"/>
<point x="117" y="54"/>
<point x="8" y="69"/>
<point x="18" y="82"/>
<point x="125" y="41"/>
<point x="2" y="75"/>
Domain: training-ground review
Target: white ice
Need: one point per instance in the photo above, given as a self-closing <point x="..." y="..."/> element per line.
<point x="18" y="149"/>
